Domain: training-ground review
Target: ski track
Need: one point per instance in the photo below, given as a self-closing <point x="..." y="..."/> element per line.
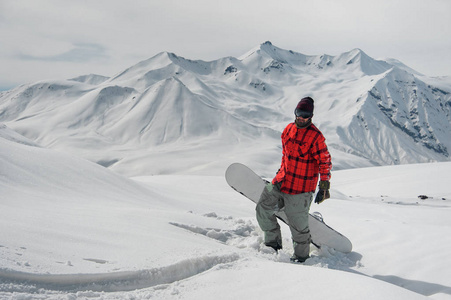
<point x="12" y="281"/>
<point x="241" y="235"/>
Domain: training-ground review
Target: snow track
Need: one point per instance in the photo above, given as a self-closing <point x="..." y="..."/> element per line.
<point x="12" y="281"/>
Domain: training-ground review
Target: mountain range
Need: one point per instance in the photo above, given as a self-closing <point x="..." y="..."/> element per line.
<point x="165" y="114"/>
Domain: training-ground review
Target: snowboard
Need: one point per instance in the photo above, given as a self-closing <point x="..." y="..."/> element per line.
<point x="249" y="184"/>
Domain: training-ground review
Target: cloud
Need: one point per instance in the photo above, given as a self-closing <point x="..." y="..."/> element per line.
<point x="52" y="38"/>
<point x="81" y="52"/>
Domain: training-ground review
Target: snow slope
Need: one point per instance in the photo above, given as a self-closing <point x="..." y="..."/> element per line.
<point x="71" y="229"/>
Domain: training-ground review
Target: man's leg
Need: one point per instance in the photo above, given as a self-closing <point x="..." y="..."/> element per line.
<point x="265" y="209"/>
<point x="297" y="209"/>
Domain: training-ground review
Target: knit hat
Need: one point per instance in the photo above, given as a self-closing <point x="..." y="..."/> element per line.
<point x="304" y="108"/>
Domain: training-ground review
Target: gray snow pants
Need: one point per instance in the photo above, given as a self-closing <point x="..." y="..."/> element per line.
<point x="297" y="210"/>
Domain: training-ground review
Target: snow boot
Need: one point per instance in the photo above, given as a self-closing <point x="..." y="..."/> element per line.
<point x="297" y="259"/>
<point x="275" y="245"/>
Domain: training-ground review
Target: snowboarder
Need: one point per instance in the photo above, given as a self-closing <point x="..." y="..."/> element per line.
<point x="305" y="157"/>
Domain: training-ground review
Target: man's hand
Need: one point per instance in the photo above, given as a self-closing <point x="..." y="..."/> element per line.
<point x="323" y="192"/>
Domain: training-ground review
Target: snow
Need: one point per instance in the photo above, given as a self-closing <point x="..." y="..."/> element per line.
<point x="113" y="187"/>
<point x="71" y="229"/>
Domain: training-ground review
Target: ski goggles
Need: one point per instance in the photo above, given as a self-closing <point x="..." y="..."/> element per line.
<point x="302" y="113"/>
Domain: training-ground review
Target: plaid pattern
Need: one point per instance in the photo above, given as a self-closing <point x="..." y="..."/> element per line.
<point x="305" y="158"/>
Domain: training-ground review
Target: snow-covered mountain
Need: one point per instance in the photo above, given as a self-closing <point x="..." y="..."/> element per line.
<point x="146" y="118"/>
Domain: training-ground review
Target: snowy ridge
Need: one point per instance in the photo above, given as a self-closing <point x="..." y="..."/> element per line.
<point x="10" y="135"/>
<point x="91" y="79"/>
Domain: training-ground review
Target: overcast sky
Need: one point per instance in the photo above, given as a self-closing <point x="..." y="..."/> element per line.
<point x="60" y="39"/>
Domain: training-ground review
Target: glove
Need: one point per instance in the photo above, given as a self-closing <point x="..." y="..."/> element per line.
<point x="323" y="192"/>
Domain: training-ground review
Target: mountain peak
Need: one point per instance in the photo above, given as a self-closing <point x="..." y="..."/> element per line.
<point x="266" y="55"/>
<point x="402" y="66"/>
<point x="358" y="60"/>
<point x="268" y="46"/>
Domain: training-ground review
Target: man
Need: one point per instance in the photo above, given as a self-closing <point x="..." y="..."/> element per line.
<point x="304" y="158"/>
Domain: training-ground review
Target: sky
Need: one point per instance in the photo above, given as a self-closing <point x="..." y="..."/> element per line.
<point x="61" y="39"/>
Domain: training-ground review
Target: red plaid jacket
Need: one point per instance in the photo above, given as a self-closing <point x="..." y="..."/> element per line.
<point x="304" y="157"/>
